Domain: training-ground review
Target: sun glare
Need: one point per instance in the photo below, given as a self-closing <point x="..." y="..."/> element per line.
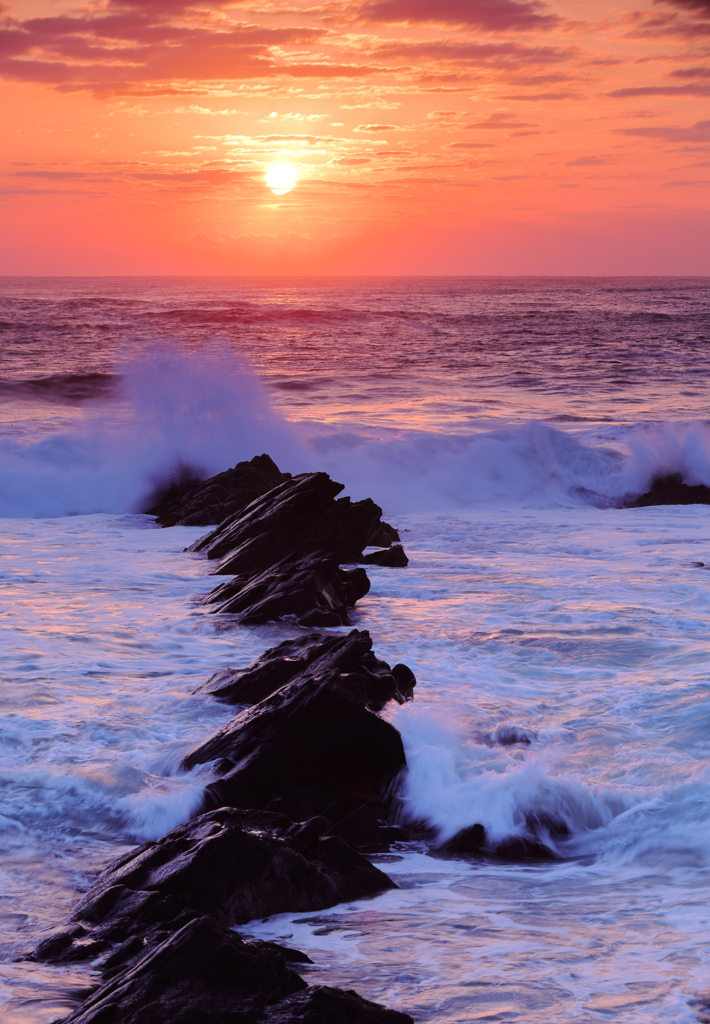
<point x="281" y="178"/>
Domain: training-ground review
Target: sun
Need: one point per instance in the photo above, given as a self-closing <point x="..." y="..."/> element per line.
<point x="281" y="178"/>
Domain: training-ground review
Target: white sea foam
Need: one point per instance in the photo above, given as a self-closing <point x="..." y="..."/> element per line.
<point x="525" y="607"/>
<point x="205" y="410"/>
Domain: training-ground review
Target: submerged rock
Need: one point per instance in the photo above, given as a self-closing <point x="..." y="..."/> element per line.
<point x="190" y="501"/>
<point x="311" y="588"/>
<point x="533" y="843"/>
<point x="310" y="656"/>
<point x="300" y="515"/>
<point x="312" y="748"/>
<point x="672" y="490"/>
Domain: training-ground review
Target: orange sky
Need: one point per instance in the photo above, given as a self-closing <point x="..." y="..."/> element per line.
<point x="429" y="137"/>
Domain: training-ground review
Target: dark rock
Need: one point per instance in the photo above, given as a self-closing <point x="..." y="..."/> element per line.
<point x="384" y="536"/>
<point x="312" y="588"/>
<point x="190" y="501"/>
<point x="468" y="840"/>
<point x="233" y="864"/>
<point x="201" y="973"/>
<point x="392" y="558"/>
<point x="520" y="848"/>
<point x="473" y="841"/>
<point x="509" y="735"/>
<point x="321" y="1005"/>
<point x="58" y="945"/>
<point x="313" y="747"/>
<point x="671" y="490"/>
<point x="310" y="656"/>
<point x="301" y="515"/>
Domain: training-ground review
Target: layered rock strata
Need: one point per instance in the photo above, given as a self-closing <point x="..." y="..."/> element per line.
<point x="312" y="655"/>
<point x="303" y="515"/>
<point x="300" y="779"/>
<point x="311" y="589"/>
<point x="186" y="500"/>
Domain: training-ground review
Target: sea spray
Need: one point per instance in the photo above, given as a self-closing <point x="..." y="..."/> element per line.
<point x="197" y="411"/>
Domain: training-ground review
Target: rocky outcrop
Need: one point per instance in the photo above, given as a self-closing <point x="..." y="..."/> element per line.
<point x="299" y="781"/>
<point x="189" y="501"/>
<point x="200" y="972"/>
<point x="311" y="656"/>
<point x="235" y="865"/>
<point x="301" y="515"/>
<point x="672" y="490"/>
<point x="313" y="589"/>
<point x="312" y="748"/>
<point x="203" y="973"/>
<point x="392" y="557"/>
<point x="161" y="917"/>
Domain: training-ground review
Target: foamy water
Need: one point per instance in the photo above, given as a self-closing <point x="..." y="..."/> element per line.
<point x="530" y="606"/>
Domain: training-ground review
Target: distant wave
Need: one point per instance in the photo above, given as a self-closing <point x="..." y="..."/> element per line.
<point x="204" y="410"/>
<point x="69" y="388"/>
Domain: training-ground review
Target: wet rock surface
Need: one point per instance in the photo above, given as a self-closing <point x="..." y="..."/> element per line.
<point x="541" y="831"/>
<point x="161" y="918"/>
<point x="190" y="501"/>
<point x="234" y="864"/>
<point x="310" y="656"/>
<point x="303" y="515"/>
<point x="313" y="589"/>
<point x="392" y="557"/>
<point x="311" y="748"/>
<point x="672" y="490"/>
<point x="300" y="781"/>
<point x="203" y="973"/>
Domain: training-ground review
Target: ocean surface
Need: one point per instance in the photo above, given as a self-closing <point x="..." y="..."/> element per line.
<point x="499" y="423"/>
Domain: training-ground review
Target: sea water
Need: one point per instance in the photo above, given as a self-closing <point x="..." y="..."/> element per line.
<point x="500" y="424"/>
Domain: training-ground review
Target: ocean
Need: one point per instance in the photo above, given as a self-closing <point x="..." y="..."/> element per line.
<point x="500" y="423"/>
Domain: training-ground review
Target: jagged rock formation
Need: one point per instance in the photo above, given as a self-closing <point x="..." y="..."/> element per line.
<point x="300" y="779"/>
<point x="203" y="973"/>
<point x="312" y="748"/>
<point x="311" y="588"/>
<point x="301" y="515"/>
<point x="311" y="656"/>
<point x="162" y="917"/>
<point x="189" y="501"/>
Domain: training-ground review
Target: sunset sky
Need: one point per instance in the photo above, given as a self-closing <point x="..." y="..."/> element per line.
<point x="426" y="137"/>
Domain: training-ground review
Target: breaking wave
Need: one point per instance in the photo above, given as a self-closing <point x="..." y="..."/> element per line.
<point x="205" y="410"/>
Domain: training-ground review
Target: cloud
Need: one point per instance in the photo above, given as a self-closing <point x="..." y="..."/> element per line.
<point x="647" y="24"/>
<point x="470" y="145"/>
<point x="699" y="132"/>
<point x="536" y="97"/>
<point x="699" y="7"/>
<point x="155" y="47"/>
<point x="506" y="54"/>
<point x="692" y="89"/>
<point x="588" y="161"/>
<point x="691" y="73"/>
<point x="61" y="175"/>
<point x="686" y="184"/>
<point x="377" y="128"/>
<point x="487" y="15"/>
<point x="500" y="121"/>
